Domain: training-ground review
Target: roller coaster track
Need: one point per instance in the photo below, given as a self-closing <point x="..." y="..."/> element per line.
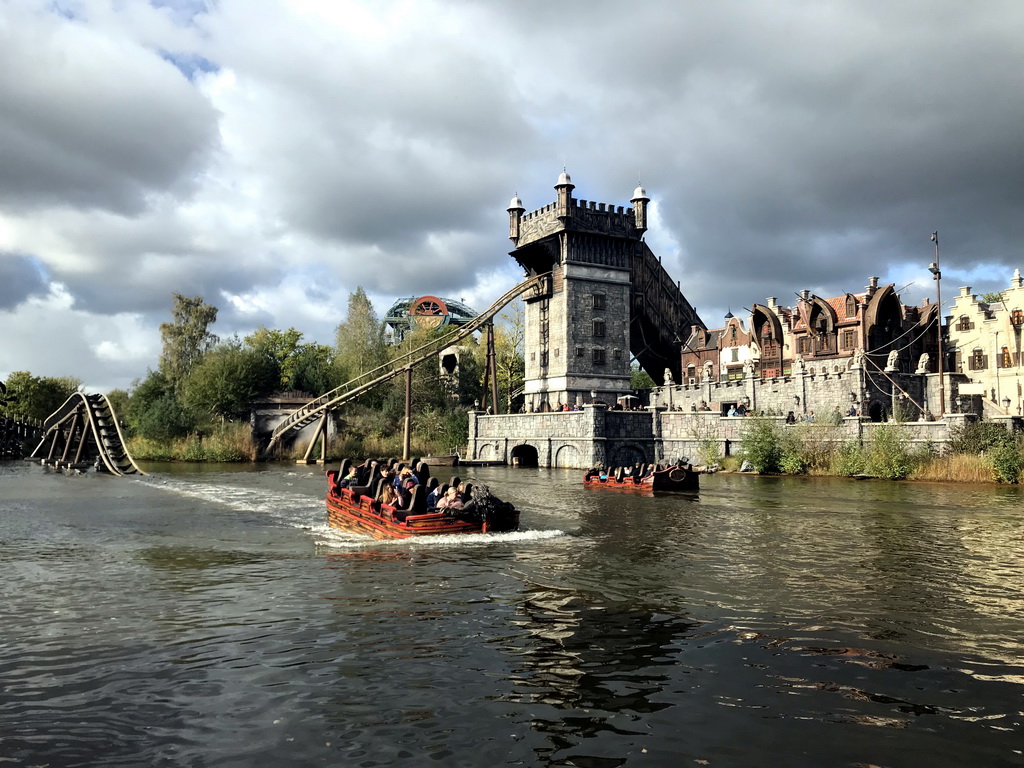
<point x="84" y="431"/>
<point x="321" y="406"/>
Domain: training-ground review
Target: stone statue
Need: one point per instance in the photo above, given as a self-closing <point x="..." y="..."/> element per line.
<point x="858" y="359"/>
<point x="922" y="364"/>
<point x="894" y="358"/>
<point x="748" y="368"/>
<point x="708" y="367"/>
<point x="669" y="381"/>
<point x="798" y="364"/>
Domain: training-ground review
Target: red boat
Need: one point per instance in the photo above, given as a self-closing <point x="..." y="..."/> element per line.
<point x="357" y="508"/>
<point x="649" y="478"/>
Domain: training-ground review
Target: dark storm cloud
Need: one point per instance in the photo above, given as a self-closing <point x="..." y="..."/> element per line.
<point x="92" y="123"/>
<point x="20" y="277"/>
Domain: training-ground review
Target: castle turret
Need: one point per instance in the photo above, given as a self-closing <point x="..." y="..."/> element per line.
<point x="515" y="219"/>
<point x="563" y="203"/>
<point x="639" y="201"/>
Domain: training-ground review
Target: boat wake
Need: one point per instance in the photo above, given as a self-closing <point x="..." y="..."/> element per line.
<point x="334" y="538"/>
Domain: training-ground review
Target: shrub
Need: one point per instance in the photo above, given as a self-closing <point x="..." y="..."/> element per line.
<point x="977" y="437"/>
<point x="762" y="445"/>
<point x="1007" y="462"/>
<point x="849" y="460"/>
<point x="792" y="459"/>
<point x="887" y="455"/>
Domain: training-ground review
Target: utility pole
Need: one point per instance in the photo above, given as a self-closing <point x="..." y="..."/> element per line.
<point x="937" y="277"/>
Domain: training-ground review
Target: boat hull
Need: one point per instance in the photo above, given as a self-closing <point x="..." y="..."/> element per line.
<point x="360" y="514"/>
<point x="674" y="478"/>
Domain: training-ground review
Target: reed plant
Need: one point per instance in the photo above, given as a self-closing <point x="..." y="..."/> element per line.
<point x="955" y="467"/>
<point x="230" y="441"/>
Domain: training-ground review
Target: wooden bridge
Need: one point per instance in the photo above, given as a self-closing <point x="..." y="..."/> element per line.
<point x="320" y="409"/>
<point x="84" y="433"/>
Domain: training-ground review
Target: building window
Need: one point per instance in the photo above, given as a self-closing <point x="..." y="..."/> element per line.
<point x="803" y="345"/>
<point x="616" y="354"/>
<point x="598" y="301"/>
<point x="964" y="324"/>
<point x="734" y="354"/>
<point x="556" y="351"/>
<point x="1005" y="360"/>
<point x="598" y="357"/>
<point x="849" y="339"/>
<point x="1017" y="318"/>
<point x="599" y="327"/>
<point x="978" y="361"/>
<point x="851" y="306"/>
<point x="544" y="359"/>
<point x="533" y="357"/>
<point x="579" y="351"/>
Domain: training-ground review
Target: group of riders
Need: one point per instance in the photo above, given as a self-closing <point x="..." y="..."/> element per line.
<point x="404" y="489"/>
<point x="634" y="473"/>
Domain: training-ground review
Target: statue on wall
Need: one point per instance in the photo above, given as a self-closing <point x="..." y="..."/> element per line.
<point x="922" y="364"/>
<point x="798" y="364"/>
<point x="669" y="381"/>
<point x="893" y="361"/>
<point x="708" y="367"/>
<point x="858" y="359"/>
<point x="748" y="368"/>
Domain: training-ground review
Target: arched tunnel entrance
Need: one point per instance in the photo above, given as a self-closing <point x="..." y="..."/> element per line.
<point x="524" y="456"/>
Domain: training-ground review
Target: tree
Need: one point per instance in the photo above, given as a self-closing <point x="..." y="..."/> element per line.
<point x="639" y="378"/>
<point x="360" y="338"/>
<point x="992" y="297"/>
<point x="154" y="412"/>
<point x="280" y="347"/>
<point x="36" y="397"/>
<point x="312" y="368"/>
<point x="186" y="339"/>
<point x="509" y="352"/>
<point x="227" y="380"/>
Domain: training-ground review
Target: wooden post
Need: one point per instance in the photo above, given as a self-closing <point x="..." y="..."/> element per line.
<point x="492" y="365"/>
<point x="407" y="437"/>
<point x="71" y="436"/>
<point x="321" y="433"/>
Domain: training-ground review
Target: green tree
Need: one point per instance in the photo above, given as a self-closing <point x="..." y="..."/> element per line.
<point x="225" y="382"/>
<point x="992" y="297"/>
<point x="639" y="378"/>
<point x="509" y="353"/>
<point x="360" y="338"/>
<point x="280" y="347"/>
<point x="762" y="445"/>
<point x="154" y="411"/>
<point x="187" y="338"/>
<point x="36" y="397"/>
<point x="312" y="368"/>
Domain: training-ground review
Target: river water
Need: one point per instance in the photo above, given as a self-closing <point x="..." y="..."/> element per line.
<point x="207" y="616"/>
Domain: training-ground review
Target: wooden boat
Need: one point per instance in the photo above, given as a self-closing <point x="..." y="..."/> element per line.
<point x="356" y="509"/>
<point x="677" y="477"/>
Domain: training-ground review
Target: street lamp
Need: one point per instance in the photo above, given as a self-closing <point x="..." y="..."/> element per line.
<point x="1006" y="404"/>
<point x="937" y="277"/>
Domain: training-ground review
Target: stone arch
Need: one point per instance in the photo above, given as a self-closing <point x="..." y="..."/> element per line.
<point x="877" y="411"/>
<point x="524" y="455"/>
<point x="627" y="454"/>
<point x="487" y="452"/>
<point x="567" y="456"/>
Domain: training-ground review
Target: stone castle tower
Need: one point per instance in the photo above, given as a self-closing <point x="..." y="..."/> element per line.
<point x="581" y="330"/>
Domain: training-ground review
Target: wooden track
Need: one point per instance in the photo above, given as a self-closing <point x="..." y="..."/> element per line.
<point x="318" y="408"/>
<point x="82" y="433"/>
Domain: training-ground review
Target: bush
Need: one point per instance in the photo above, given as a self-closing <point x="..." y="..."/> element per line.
<point x="977" y="437"/>
<point x="887" y="455"/>
<point x="1007" y="462"/>
<point x="849" y="460"/>
<point x="762" y="445"/>
<point x="792" y="459"/>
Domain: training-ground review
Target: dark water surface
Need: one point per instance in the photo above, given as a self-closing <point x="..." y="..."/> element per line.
<point x="206" y="616"/>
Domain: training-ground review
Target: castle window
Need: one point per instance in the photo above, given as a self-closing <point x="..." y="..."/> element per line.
<point x="599" y="327"/>
<point x="849" y="339"/>
<point x="598" y="356"/>
<point x="1017" y="318"/>
<point x="1005" y="360"/>
<point x="964" y="324"/>
<point x="533" y="357"/>
<point x="735" y="354"/>
<point x="544" y="359"/>
<point x="598" y="301"/>
<point x="579" y="351"/>
<point x="616" y="354"/>
<point x="978" y="361"/>
<point x="803" y="345"/>
<point x="851" y="306"/>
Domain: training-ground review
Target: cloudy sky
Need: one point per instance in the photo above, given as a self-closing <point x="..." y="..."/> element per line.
<point x="273" y="155"/>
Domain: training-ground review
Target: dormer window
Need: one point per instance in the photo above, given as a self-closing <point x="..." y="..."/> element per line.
<point x="851" y="306"/>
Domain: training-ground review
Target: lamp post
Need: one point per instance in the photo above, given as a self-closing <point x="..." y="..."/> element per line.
<point x="937" y="277"/>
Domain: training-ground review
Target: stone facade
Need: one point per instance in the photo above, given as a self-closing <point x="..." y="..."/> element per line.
<point x="597" y="436"/>
<point x="987" y="343"/>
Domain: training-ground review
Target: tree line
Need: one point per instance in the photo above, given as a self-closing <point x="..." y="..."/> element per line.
<point x="196" y="403"/>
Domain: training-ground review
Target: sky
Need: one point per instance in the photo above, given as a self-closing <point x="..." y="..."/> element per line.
<point x="272" y="156"/>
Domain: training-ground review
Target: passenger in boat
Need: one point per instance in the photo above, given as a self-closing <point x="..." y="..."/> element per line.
<point x="350" y="479"/>
<point x="435" y="496"/>
<point x="451" y="502"/>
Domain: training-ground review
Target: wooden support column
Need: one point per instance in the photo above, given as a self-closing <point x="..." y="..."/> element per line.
<point x="320" y="434"/>
<point x="492" y="366"/>
<point x="407" y="436"/>
<point x="71" y="436"/>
